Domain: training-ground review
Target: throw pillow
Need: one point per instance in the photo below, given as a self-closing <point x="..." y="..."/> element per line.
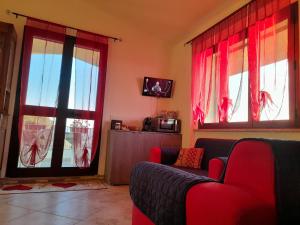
<point x="190" y="157"/>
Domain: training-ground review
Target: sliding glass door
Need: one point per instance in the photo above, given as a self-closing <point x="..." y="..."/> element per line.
<point x="58" y="109"/>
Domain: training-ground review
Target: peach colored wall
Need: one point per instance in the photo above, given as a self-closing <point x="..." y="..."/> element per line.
<point x="180" y="68"/>
<point x="139" y="54"/>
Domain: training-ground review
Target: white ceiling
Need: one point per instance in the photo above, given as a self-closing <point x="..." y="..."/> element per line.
<point x="167" y="19"/>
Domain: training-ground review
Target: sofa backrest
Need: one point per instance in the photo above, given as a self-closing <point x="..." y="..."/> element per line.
<point x="213" y="148"/>
<point x="251" y="167"/>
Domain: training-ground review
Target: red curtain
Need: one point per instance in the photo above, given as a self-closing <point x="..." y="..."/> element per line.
<point x="268" y="46"/>
<point x="247" y="26"/>
<point x="201" y="84"/>
<point x="36" y="123"/>
<point x="88" y="97"/>
<point x="41" y="63"/>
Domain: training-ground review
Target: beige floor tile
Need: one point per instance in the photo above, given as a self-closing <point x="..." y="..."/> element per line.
<point x="8" y="212"/>
<point x="38" y="218"/>
<point x="110" y="215"/>
<point x="110" y="206"/>
<point x="74" y="208"/>
<point x="35" y="201"/>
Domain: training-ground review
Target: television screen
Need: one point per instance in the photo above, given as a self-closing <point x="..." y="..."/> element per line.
<point x="157" y="87"/>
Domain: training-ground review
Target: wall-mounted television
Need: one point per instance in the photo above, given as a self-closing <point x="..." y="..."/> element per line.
<point x="157" y="87"/>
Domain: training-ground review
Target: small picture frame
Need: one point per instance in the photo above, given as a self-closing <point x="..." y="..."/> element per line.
<point x="116" y="125"/>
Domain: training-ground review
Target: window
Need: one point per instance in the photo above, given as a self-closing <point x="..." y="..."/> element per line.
<point x="247" y="81"/>
<point x="59" y="107"/>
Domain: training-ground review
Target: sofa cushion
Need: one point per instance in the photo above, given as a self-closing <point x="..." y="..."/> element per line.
<point x="193" y="170"/>
<point x="213" y="148"/>
<point x="190" y="157"/>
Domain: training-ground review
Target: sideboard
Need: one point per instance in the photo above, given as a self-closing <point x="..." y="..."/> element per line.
<point x="126" y="148"/>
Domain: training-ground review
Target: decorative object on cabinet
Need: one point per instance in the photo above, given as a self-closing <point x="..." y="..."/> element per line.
<point x="116" y="125"/>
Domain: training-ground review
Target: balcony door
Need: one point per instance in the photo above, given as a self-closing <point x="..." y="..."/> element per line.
<point x="58" y="108"/>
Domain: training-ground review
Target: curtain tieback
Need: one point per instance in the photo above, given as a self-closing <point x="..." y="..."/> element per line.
<point x="198" y="114"/>
<point x="223" y="109"/>
<point x="265" y="98"/>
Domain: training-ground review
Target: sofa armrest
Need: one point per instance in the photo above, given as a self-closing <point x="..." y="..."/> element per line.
<point x="215" y="203"/>
<point x="216" y="167"/>
<point x="167" y="156"/>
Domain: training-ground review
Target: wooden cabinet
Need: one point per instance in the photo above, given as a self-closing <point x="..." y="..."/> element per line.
<point x="126" y="148"/>
<point x="8" y="40"/>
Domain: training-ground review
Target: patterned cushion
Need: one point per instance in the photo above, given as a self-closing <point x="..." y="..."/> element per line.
<point x="190" y="157"/>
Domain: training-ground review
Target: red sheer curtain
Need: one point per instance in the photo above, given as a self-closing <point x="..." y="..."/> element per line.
<point x="247" y="28"/>
<point x="223" y="100"/>
<point x="268" y="46"/>
<point x="39" y="94"/>
<point x="88" y="97"/>
<point x="36" y="125"/>
<point x="201" y="84"/>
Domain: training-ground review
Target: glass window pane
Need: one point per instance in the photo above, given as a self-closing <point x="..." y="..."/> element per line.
<point x="37" y="142"/>
<point x="238" y="81"/>
<point x="274" y="83"/>
<point x="78" y="135"/>
<point x="212" y="115"/>
<point x="44" y="73"/>
<point x="84" y="79"/>
<point x="274" y="73"/>
<point x="238" y="93"/>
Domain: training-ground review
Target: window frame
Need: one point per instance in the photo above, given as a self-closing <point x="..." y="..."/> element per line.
<point x="294" y="83"/>
<point x="61" y="112"/>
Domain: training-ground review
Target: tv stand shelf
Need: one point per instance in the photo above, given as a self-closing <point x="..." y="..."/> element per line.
<point x="126" y="148"/>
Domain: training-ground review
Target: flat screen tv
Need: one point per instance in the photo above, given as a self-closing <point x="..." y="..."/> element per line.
<point x="157" y="87"/>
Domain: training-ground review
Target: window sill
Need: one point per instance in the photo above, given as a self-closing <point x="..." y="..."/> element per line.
<point x="291" y="130"/>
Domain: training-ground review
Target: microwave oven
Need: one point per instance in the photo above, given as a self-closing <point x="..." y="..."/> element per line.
<point x="165" y="125"/>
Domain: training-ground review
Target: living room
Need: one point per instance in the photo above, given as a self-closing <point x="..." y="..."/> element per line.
<point x="143" y="39"/>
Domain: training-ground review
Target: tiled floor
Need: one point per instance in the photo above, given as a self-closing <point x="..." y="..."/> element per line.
<point x="110" y="206"/>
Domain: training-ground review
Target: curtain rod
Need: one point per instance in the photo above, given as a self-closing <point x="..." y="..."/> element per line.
<point x="74" y="28"/>
<point x="190" y="41"/>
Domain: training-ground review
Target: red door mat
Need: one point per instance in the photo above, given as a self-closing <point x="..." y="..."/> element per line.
<point x="64" y="185"/>
<point x="18" y="187"/>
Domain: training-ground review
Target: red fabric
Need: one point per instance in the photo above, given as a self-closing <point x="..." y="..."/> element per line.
<point x="155" y="155"/>
<point x="263" y="45"/>
<point x="251" y="167"/>
<point x="201" y="82"/>
<point x="247" y="196"/>
<point x="215" y="168"/>
<point x="222" y="78"/>
<point x="138" y="218"/>
<point x="86" y="139"/>
<point x="18" y="187"/>
<point x="34" y="143"/>
<point x="214" y="203"/>
<point x="45" y="25"/>
<point x="255" y="19"/>
<point x="91" y="37"/>
<point x="64" y="185"/>
<point x="248" y="15"/>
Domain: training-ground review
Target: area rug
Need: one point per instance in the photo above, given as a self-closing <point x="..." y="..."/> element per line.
<point x="51" y="187"/>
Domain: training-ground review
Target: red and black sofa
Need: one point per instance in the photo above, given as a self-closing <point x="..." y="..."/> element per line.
<point x="213" y="162"/>
<point x="261" y="186"/>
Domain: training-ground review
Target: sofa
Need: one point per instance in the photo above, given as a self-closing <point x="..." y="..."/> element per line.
<point x="213" y="162"/>
<point x="260" y="186"/>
